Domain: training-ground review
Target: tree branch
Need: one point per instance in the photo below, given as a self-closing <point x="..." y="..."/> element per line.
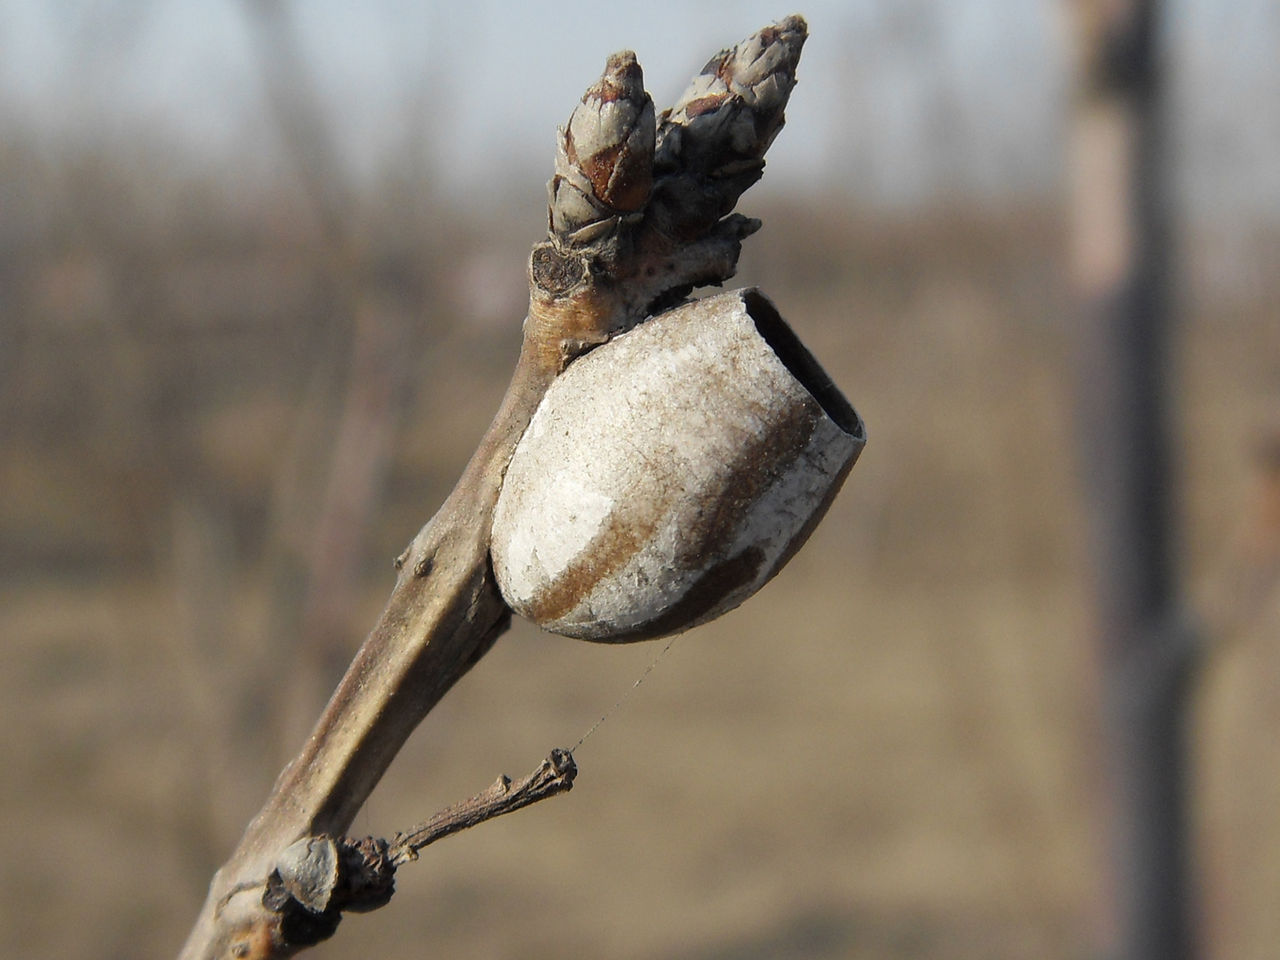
<point x="639" y="215"/>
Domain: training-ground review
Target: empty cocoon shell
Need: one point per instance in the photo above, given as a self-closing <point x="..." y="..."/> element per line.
<point x="669" y="473"/>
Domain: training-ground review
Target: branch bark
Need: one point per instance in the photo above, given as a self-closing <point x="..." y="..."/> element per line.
<point x="639" y="215"/>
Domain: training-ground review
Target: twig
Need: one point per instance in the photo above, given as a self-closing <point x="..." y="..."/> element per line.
<point x="554" y="775"/>
<point x="639" y="215"/>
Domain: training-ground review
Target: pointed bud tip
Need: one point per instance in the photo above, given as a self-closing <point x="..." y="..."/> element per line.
<point x="789" y="32"/>
<point x="622" y="79"/>
<point x="622" y="63"/>
<point x="794" y="24"/>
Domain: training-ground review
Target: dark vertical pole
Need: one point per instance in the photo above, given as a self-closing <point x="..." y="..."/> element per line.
<point x="1123" y="245"/>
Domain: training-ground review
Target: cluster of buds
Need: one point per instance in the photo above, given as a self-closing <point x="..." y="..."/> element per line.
<point x="640" y="207"/>
<point x="681" y="173"/>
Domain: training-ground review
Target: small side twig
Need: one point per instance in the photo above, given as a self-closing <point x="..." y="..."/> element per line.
<point x="319" y="878"/>
<point x="555" y="775"/>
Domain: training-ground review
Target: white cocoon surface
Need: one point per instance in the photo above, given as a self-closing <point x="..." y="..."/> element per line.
<point x="669" y="473"/>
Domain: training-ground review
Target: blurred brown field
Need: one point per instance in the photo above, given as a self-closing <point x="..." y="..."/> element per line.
<point x="892" y="751"/>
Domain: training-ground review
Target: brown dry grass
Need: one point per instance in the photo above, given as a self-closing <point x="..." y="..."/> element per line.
<point x="890" y="752"/>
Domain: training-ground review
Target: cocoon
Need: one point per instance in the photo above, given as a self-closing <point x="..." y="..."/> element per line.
<point x="669" y="473"/>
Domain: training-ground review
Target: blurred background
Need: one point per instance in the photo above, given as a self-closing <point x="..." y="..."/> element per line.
<point x="261" y="281"/>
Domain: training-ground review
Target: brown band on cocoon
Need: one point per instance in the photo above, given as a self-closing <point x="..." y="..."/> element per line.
<point x="703" y="597"/>
<point x="754" y="469"/>
<point x="606" y="553"/>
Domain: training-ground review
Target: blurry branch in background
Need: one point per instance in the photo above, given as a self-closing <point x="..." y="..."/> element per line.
<point x="342" y="445"/>
<point x="1123" y="239"/>
<point x="296" y="109"/>
<point x="105" y="216"/>
<point x="640" y="213"/>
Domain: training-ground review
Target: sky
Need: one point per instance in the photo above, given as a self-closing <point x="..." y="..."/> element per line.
<point x="900" y="102"/>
